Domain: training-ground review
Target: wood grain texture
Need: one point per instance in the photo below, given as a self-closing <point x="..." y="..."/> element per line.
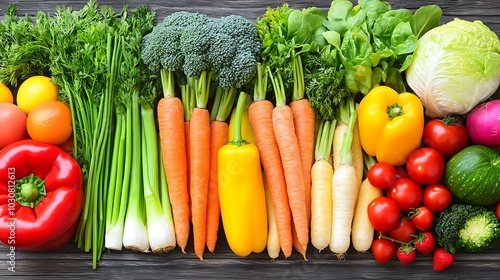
<point x="486" y="11"/>
<point x="72" y="263"/>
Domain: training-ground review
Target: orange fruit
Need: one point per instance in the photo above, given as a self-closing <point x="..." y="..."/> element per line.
<point x="50" y="122"/>
<point x="5" y="94"/>
<point x="35" y="91"/>
<point x="12" y="123"/>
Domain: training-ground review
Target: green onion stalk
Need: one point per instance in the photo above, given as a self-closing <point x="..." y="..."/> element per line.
<point x="135" y="233"/>
<point x="160" y="224"/>
<point x="125" y="211"/>
<point x="90" y="233"/>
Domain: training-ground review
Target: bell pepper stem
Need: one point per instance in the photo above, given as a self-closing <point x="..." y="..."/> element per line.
<point x="394" y="111"/>
<point x="30" y="190"/>
<point x="238" y="138"/>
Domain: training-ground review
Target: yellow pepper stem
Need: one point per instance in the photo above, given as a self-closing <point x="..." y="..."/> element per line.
<point x="238" y="138"/>
<point x="394" y="111"/>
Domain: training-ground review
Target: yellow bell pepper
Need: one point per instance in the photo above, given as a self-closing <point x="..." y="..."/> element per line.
<point x="391" y="124"/>
<point x="241" y="192"/>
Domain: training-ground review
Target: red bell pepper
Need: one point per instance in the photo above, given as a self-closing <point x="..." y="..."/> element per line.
<point x="41" y="196"/>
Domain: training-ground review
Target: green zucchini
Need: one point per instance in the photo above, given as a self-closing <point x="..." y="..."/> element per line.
<point x="473" y="175"/>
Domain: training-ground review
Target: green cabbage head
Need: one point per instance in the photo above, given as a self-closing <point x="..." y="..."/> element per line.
<point x="455" y="67"/>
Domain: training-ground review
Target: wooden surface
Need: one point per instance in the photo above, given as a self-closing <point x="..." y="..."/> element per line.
<point x="70" y="262"/>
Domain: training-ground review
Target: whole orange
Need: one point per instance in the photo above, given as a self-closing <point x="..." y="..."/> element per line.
<point x="50" y="122"/>
<point x="12" y="123"/>
<point x="35" y="91"/>
<point x="5" y="94"/>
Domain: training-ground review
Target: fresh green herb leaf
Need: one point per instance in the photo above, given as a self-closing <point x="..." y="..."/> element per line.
<point x="425" y="18"/>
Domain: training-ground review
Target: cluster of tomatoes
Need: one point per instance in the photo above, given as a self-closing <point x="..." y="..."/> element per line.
<point x="413" y="193"/>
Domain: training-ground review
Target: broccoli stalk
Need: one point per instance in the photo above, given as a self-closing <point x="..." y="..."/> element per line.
<point x="467" y="227"/>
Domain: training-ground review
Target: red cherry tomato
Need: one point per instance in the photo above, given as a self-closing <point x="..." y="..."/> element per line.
<point x="383" y="213"/>
<point x="425" y="165"/>
<point x="423" y="218"/>
<point x="406" y="193"/>
<point x="403" y="231"/>
<point x="447" y="136"/>
<point x="436" y="197"/>
<point x="401" y="172"/>
<point x="383" y="250"/>
<point x="498" y="211"/>
<point x="381" y="175"/>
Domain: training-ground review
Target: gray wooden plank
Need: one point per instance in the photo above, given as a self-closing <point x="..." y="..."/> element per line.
<point x="487" y="11"/>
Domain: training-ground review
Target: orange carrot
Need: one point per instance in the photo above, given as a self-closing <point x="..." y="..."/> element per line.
<point x="260" y="114"/>
<point x="171" y="127"/>
<point x="218" y="138"/>
<point x="297" y="245"/>
<point x="199" y="175"/>
<point x="188" y="101"/>
<point x="304" y="121"/>
<point x="219" y="134"/>
<point x="284" y="131"/>
<point x="187" y="133"/>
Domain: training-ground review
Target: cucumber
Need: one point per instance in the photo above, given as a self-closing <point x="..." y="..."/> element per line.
<point x="473" y="175"/>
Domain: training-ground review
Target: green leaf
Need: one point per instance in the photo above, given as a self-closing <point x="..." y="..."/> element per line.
<point x="356" y="48"/>
<point x="406" y="63"/>
<point x="425" y="18"/>
<point x="384" y="27"/>
<point x="394" y="80"/>
<point x="359" y="78"/>
<point x="333" y="38"/>
<point x="373" y="10"/>
<point x="378" y="56"/>
<point x="403" y="41"/>
<point x="302" y="25"/>
<point x="342" y="16"/>
<point x="377" y="76"/>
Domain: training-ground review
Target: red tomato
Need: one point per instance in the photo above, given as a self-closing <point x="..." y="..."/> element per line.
<point x="436" y="197"/>
<point x="383" y="213"/>
<point x="425" y="165"/>
<point x="498" y="211"/>
<point x="406" y="193"/>
<point x="401" y="172"/>
<point x="383" y="249"/>
<point x="423" y="218"/>
<point x="13" y="123"/>
<point x="447" y="136"/>
<point x="403" y="231"/>
<point x="381" y="175"/>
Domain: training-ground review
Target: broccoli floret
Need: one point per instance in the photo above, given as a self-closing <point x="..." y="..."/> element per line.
<point x="467" y="227"/>
<point x="195" y="43"/>
<point x="184" y="19"/>
<point x="225" y="49"/>
<point x="243" y="31"/>
<point x="242" y="69"/>
<point x="235" y="50"/>
<point x="161" y="49"/>
<point x="171" y="47"/>
<point x="222" y="51"/>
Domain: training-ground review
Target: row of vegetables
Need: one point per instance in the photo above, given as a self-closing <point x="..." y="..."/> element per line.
<point x="362" y="126"/>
